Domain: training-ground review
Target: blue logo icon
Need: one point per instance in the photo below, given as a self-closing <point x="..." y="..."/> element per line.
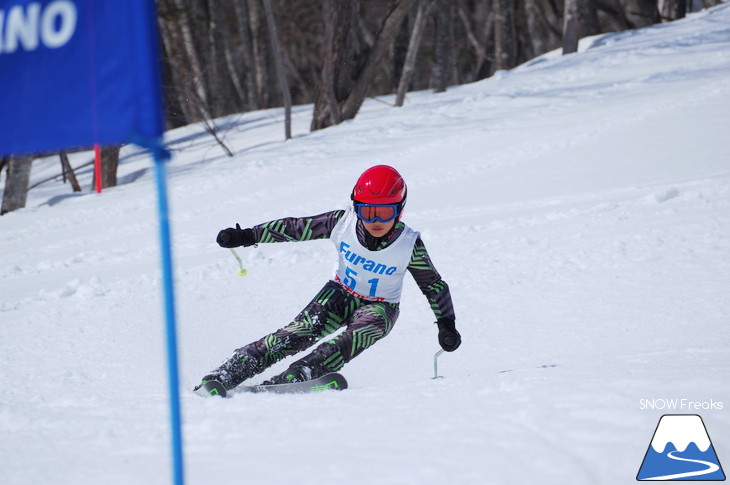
<point x="681" y="450"/>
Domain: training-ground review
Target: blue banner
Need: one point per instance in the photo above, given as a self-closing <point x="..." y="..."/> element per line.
<point x="78" y="72"/>
<point x="74" y="73"/>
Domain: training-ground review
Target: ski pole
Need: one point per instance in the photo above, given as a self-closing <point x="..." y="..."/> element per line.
<point x="241" y="270"/>
<point x="436" y="364"/>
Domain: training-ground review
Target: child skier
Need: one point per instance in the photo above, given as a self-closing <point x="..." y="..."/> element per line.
<point x="374" y="250"/>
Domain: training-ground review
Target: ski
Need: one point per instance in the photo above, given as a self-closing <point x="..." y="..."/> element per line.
<point x="328" y="382"/>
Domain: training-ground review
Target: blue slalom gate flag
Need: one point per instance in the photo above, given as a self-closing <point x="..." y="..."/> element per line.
<point x="74" y="73"/>
<point x="78" y="72"/>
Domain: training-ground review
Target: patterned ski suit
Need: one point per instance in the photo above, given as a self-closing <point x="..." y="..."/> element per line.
<point x="366" y="319"/>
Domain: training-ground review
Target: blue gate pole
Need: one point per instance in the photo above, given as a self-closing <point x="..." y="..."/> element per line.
<point x="160" y="156"/>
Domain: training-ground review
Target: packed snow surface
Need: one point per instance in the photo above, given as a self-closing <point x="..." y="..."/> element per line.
<point x="578" y="206"/>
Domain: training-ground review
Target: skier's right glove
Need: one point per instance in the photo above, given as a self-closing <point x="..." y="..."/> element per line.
<point x="234" y="237"/>
<point x="449" y="338"/>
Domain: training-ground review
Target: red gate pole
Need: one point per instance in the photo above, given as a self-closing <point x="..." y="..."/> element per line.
<point x="97" y="168"/>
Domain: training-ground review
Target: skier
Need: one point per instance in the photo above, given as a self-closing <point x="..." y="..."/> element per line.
<point x="374" y="250"/>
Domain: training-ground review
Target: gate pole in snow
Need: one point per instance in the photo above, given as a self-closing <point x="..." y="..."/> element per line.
<point x="160" y="156"/>
<point x="436" y="364"/>
<point x="97" y="168"/>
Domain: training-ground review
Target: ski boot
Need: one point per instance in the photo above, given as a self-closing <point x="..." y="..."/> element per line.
<point x="233" y="372"/>
<point x="210" y="386"/>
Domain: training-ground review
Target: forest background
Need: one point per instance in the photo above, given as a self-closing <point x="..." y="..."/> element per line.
<point x="233" y="56"/>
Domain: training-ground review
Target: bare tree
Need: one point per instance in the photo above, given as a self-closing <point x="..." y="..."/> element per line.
<point x="424" y="7"/>
<point x="16" y="183"/>
<point x="185" y="72"/>
<point x="218" y="55"/>
<point x="613" y="16"/>
<point x="68" y="172"/>
<point x="335" y="80"/>
<point x="443" y="48"/>
<point x="570" y="27"/>
<point x="472" y="36"/>
<point x="194" y="64"/>
<point x="387" y="33"/>
<point x="672" y="9"/>
<point x="505" y="38"/>
<point x="246" y="42"/>
<point x="580" y="20"/>
<point x="543" y="24"/>
<point x="280" y="71"/>
<point x="641" y="13"/>
<point x="224" y="83"/>
<point x="109" y="165"/>
<point x="260" y="52"/>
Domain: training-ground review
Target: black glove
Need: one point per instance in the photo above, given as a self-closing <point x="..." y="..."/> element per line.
<point x="234" y="237"/>
<point x="449" y="338"/>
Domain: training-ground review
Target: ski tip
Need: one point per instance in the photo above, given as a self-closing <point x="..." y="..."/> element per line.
<point x="210" y="388"/>
<point x="330" y="382"/>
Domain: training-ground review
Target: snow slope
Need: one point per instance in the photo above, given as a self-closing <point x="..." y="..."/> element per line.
<point x="578" y="206"/>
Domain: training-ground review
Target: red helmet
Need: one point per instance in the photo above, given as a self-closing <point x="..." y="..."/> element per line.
<point x="380" y="184"/>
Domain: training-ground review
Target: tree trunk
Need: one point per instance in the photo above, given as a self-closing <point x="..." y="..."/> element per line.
<point x="487" y="68"/>
<point x="174" y="73"/>
<point x="109" y="165"/>
<point x="195" y="79"/>
<point x="614" y="14"/>
<point x="16" y="184"/>
<point x="570" y="27"/>
<point x="641" y="13"/>
<point x="414" y="43"/>
<point x="580" y="19"/>
<point x="589" y="14"/>
<point x="443" y="48"/>
<point x="505" y="39"/>
<point x="330" y="110"/>
<point x="524" y="42"/>
<point x="68" y="171"/>
<point x="385" y="39"/>
<point x="249" y="64"/>
<point x="476" y="45"/>
<point x="711" y="3"/>
<point x="109" y="158"/>
<point x="279" y="62"/>
<point x="335" y="80"/>
<point x="260" y="53"/>
<point x="186" y="76"/>
<point x="218" y="89"/>
<point x="670" y="10"/>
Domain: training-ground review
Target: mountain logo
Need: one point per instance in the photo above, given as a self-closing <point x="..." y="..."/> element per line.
<point x="680" y="450"/>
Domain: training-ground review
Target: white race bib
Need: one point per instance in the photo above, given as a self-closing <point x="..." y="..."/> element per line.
<point x="371" y="275"/>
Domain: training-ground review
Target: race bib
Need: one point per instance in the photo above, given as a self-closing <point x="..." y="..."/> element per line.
<point x="371" y="275"/>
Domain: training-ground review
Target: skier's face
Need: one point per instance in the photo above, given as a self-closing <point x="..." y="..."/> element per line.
<point x="377" y="228"/>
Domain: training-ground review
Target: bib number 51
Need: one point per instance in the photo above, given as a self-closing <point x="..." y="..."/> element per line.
<point x="351" y="281"/>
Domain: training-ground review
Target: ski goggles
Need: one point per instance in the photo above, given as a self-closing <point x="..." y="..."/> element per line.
<point x="377" y="212"/>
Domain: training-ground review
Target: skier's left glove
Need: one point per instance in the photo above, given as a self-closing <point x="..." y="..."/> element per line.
<point x="234" y="237"/>
<point x="449" y="338"/>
